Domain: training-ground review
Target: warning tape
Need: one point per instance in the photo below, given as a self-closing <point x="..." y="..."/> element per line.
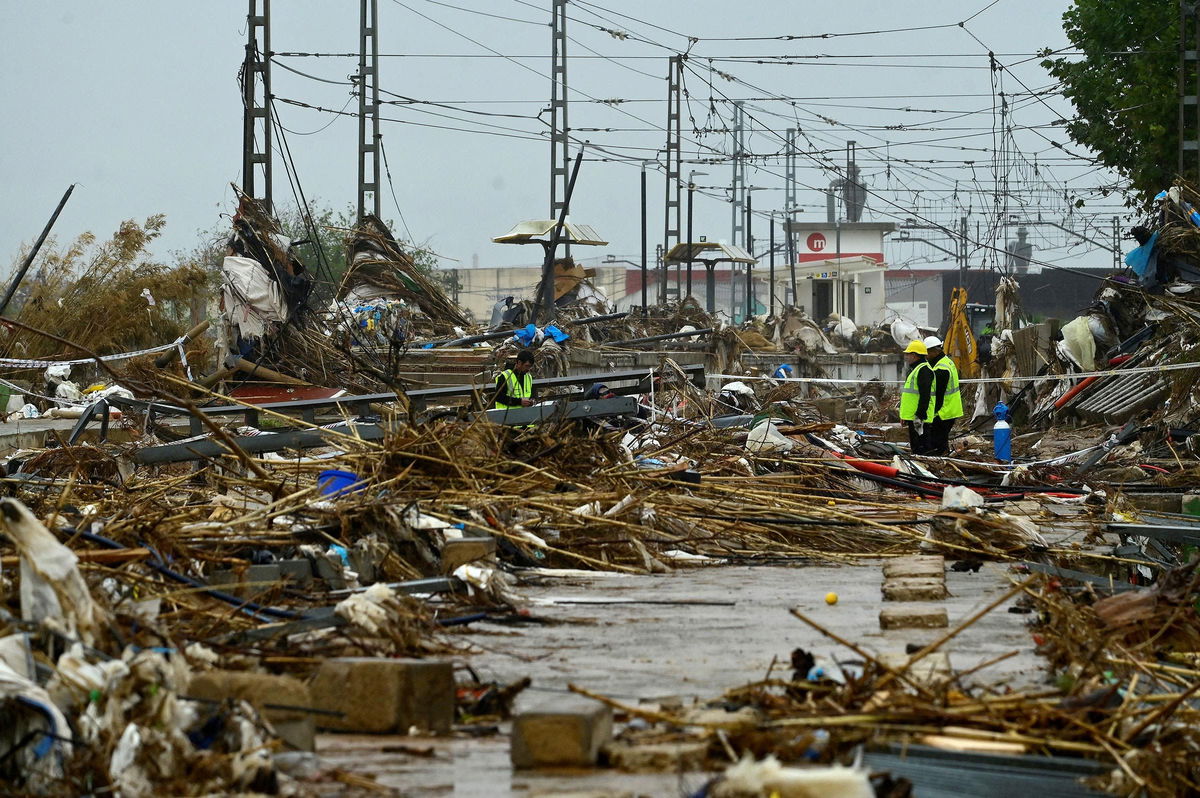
<point x="978" y="381"/>
<point x="16" y="363"/>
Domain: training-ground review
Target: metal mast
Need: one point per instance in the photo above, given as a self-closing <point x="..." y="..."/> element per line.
<point x="560" y="156"/>
<point x="256" y="103"/>
<point x="368" y="106"/>
<point x="673" y="163"/>
<point x="789" y="170"/>
<point x="789" y="199"/>
<point x="738" y="190"/>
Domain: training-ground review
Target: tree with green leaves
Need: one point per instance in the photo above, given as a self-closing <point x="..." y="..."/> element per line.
<point x="325" y="253"/>
<point x="1124" y="87"/>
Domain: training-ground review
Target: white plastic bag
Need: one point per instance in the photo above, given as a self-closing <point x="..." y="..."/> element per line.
<point x="958" y="497"/>
<point x="765" y="438"/>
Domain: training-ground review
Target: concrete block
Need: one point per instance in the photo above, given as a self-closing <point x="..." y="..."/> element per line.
<point x="925" y="566"/>
<point x="464" y="550"/>
<point x="379" y="695"/>
<point x="831" y="408"/>
<point x="565" y="734"/>
<point x="1156" y="502"/>
<point x="930" y="670"/>
<point x="326" y="571"/>
<point x="913" y="616"/>
<point x="297" y="572"/>
<point x="681" y="757"/>
<point x="914" y="589"/>
<point x="295" y="727"/>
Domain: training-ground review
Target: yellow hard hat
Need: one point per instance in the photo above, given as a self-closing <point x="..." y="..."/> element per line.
<point x="917" y="347"/>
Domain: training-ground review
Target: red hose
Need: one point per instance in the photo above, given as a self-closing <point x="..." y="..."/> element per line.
<point x="1071" y="394"/>
<point x="878" y="469"/>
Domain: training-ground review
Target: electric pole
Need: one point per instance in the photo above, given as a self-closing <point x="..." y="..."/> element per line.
<point x="645" y="277"/>
<point x="750" y="249"/>
<point x="256" y="103"/>
<point x="962" y="252"/>
<point x="738" y="187"/>
<point x="368" y="106"/>
<point x="560" y="156"/>
<point x="771" y="255"/>
<point x="673" y="162"/>
<point x="1116" y="247"/>
<point x="789" y="179"/>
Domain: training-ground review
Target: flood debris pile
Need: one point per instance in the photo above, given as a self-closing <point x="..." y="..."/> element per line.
<point x="151" y="600"/>
<point x="94" y="692"/>
<point x="380" y="271"/>
<point x="1116" y="711"/>
<point x="1139" y="334"/>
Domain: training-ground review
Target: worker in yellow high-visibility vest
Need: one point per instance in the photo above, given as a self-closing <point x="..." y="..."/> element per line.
<point x="916" y="398"/>
<point x="514" y="386"/>
<point x="947" y="400"/>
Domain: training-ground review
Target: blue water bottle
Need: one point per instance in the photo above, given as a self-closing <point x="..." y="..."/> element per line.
<point x="1002" y="434"/>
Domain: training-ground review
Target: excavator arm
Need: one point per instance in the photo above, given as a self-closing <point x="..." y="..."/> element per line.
<point x="959" y="342"/>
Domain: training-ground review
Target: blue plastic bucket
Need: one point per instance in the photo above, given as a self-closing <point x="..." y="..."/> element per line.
<point x="334" y="482"/>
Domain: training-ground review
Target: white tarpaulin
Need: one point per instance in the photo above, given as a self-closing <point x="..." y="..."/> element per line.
<point x="252" y="298"/>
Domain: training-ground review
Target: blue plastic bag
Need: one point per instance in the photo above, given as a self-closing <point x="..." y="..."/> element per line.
<point x="526" y="334"/>
<point x="558" y="335"/>
<point x="1139" y="259"/>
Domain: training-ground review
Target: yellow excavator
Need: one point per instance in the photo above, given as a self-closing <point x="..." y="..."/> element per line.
<point x="959" y="342"/>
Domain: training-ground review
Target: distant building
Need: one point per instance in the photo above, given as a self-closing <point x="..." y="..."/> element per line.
<point x="840" y="268"/>
<point x="1049" y="295"/>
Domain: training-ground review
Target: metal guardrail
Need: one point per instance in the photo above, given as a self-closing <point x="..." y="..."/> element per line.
<point x="307" y="438"/>
<point x="1174" y="534"/>
<point x="418" y="399"/>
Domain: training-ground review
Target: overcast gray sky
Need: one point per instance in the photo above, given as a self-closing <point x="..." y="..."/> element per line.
<point x="138" y="102"/>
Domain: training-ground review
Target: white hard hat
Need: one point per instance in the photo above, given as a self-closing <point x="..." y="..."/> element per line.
<point x="932" y="341"/>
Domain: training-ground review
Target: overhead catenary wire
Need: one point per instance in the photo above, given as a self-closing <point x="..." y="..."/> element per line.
<point x="615" y="143"/>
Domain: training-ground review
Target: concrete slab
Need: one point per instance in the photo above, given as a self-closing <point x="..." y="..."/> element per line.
<point x="31" y="433"/>
<point x="930" y="565"/>
<point x="378" y="694"/>
<point x="568" y="732"/>
<point x="913" y="616"/>
<point x="464" y="550"/>
<point x="294" y="726"/>
<point x="914" y="589"/>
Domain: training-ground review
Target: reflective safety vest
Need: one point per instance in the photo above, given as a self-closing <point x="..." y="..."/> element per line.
<point x="910" y="397"/>
<point x="518" y="387"/>
<point x="952" y="401"/>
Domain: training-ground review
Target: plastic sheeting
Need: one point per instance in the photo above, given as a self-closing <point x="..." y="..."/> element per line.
<point x="1078" y="338"/>
<point x="252" y="299"/>
<point x="52" y="589"/>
